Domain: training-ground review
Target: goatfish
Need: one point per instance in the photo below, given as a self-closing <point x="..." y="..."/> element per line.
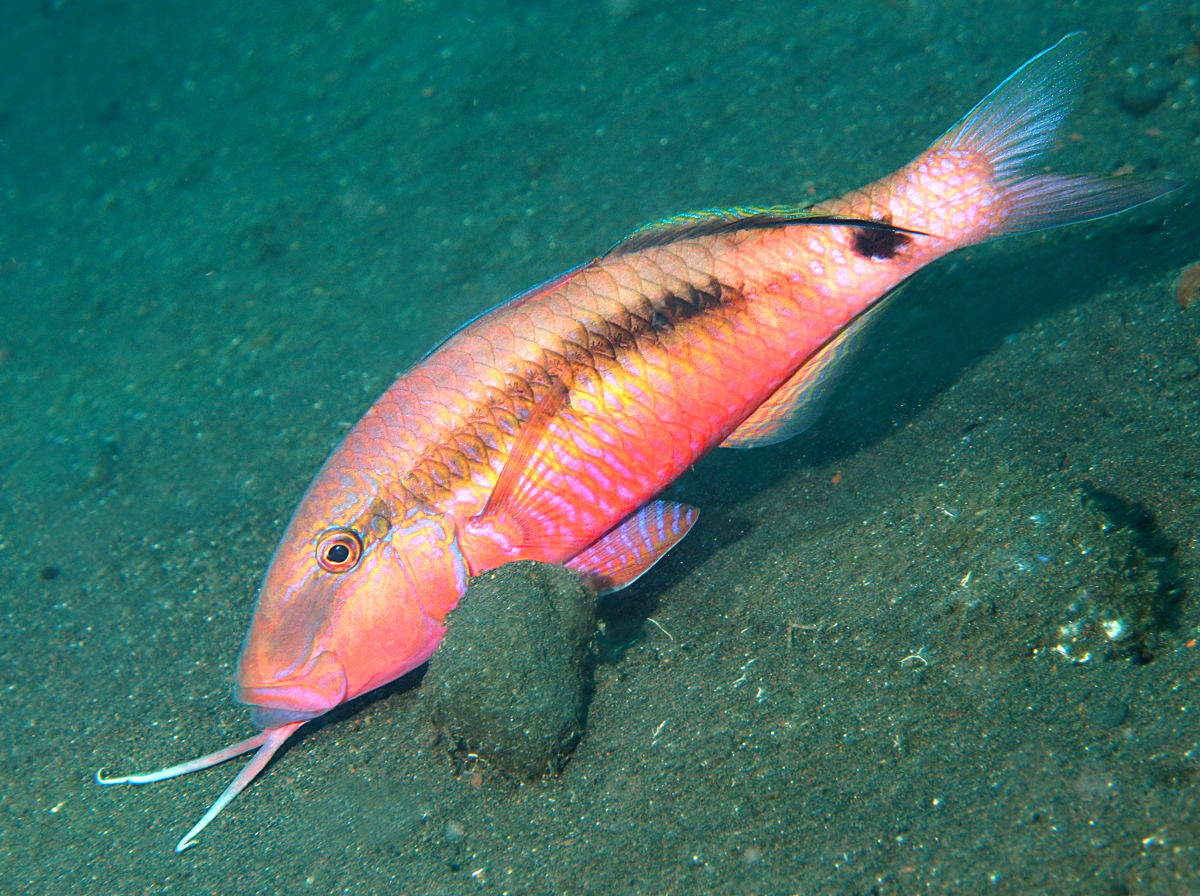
<point x="545" y="428"/>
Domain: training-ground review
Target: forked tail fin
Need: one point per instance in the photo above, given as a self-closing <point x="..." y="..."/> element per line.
<point x="983" y="178"/>
<point x="1016" y="123"/>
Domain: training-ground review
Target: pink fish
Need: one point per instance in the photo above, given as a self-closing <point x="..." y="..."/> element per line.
<point x="545" y="428"/>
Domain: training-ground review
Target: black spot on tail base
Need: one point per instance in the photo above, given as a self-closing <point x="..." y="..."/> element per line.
<point x="879" y="242"/>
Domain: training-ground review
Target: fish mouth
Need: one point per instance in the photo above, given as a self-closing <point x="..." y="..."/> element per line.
<point x="305" y="693"/>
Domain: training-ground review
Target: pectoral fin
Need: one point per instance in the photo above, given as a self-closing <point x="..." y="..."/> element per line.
<point x="623" y="555"/>
<point x="518" y="521"/>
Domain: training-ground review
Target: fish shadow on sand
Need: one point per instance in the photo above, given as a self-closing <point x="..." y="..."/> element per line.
<point x="946" y="321"/>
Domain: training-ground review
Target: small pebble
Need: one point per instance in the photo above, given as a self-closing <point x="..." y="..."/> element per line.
<point x="1143" y="97"/>
<point x="1189" y="285"/>
<point x="1110" y="715"/>
<point x="1185" y="369"/>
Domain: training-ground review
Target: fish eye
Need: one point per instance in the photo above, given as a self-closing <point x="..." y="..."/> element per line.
<point x="339" y="550"/>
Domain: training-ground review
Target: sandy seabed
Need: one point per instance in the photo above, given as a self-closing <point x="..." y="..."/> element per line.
<point x="885" y="660"/>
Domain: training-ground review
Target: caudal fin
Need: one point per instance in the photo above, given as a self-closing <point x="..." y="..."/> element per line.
<point x="1016" y="123"/>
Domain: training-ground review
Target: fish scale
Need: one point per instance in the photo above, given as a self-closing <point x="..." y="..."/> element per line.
<point x="616" y="297"/>
<point x="545" y="428"/>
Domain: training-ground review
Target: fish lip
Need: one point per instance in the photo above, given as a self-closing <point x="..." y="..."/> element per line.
<point x="264" y="718"/>
<point x="310" y="691"/>
<point x="294" y="696"/>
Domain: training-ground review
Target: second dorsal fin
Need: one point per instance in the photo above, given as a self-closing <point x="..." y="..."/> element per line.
<point x="708" y="222"/>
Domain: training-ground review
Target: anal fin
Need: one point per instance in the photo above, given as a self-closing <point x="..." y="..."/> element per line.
<point x="799" y="402"/>
<point x="625" y="554"/>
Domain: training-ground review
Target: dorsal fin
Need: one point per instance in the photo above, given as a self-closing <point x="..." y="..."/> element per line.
<point x="534" y="292"/>
<point x="708" y="222"/>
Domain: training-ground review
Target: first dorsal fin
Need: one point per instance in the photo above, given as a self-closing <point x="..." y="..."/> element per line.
<point x="534" y="292"/>
<point x="708" y="222"/>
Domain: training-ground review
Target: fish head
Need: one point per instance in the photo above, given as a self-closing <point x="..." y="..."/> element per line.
<point x="355" y="596"/>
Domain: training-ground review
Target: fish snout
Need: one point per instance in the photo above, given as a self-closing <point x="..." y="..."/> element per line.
<point x="297" y="695"/>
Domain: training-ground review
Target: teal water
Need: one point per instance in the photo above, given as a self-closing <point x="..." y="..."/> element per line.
<point x="879" y="663"/>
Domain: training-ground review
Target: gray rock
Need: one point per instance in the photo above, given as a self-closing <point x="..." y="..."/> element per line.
<point x="511" y="681"/>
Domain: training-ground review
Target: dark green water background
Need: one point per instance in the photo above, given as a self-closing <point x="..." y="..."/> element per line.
<point x="225" y="227"/>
